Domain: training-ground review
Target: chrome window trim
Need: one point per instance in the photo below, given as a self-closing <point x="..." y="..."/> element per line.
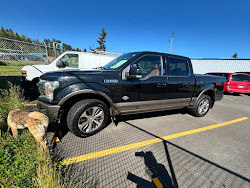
<point x="127" y="68"/>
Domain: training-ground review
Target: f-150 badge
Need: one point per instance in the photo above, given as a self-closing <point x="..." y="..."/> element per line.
<point x="111" y="81"/>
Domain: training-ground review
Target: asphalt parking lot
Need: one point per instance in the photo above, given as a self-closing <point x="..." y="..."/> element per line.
<point x="183" y="150"/>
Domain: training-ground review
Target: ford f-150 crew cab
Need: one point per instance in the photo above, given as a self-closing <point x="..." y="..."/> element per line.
<point x="132" y="83"/>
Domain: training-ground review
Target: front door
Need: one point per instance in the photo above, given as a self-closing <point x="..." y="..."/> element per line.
<point x="71" y="61"/>
<point x="154" y="80"/>
<point x="151" y="87"/>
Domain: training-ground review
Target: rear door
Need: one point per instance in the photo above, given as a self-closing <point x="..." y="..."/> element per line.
<point x="181" y="80"/>
<point x="240" y="82"/>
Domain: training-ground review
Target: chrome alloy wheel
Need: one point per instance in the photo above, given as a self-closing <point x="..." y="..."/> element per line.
<point x="203" y="106"/>
<point x="91" y="119"/>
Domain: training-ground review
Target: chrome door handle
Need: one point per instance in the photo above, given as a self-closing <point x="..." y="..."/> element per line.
<point x="187" y="84"/>
<point x="161" y="84"/>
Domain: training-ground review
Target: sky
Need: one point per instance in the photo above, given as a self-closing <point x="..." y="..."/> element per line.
<point x="203" y="28"/>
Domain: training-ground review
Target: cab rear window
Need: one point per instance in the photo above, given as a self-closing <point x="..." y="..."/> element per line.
<point x="240" y="78"/>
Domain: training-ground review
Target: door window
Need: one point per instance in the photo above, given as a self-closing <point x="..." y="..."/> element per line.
<point x="178" y="67"/>
<point x="150" y="66"/>
<point x="70" y="60"/>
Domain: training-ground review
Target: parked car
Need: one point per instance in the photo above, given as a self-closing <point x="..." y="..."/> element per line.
<point x="244" y="72"/>
<point x="236" y="82"/>
<point x="67" y="60"/>
<point x="132" y="83"/>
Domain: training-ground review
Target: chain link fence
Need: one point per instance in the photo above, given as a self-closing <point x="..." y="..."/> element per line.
<point x="15" y="54"/>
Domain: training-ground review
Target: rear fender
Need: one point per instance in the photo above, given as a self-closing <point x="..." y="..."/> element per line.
<point x="209" y="90"/>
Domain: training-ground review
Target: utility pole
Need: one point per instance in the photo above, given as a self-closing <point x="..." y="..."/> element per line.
<point x="55" y="46"/>
<point x="171" y="41"/>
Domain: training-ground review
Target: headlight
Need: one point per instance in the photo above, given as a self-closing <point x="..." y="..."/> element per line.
<point x="46" y="88"/>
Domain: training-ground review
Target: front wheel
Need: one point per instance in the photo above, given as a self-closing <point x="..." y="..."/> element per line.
<point x="87" y="117"/>
<point x="202" y="106"/>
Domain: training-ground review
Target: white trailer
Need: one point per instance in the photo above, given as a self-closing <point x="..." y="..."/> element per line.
<point x="67" y="60"/>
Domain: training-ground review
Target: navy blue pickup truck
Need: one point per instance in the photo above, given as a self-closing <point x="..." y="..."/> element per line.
<point x="134" y="82"/>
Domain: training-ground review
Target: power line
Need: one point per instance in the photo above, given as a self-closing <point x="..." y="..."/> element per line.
<point x="131" y="20"/>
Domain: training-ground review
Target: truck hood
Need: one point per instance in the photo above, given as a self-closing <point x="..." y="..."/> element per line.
<point x="68" y="77"/>
<point x="41" y="68"/>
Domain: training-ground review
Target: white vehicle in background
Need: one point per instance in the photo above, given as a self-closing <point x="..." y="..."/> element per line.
<point x="67" y="60"/>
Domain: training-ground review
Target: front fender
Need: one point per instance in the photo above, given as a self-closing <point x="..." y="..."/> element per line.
<point x="64" y="94"/>
<point x="32" y="72"/>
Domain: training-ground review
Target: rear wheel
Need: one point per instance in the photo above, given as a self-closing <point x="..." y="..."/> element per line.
<point x="87" y="117"/>
<point x="202" y="106"/>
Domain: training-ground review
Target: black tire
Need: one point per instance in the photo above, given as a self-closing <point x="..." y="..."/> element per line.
<point x="195" y="111"/>
<point x="31" y="91"/>
<point x="76" y="112"/>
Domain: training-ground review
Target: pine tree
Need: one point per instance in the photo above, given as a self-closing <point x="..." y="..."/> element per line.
<point x="17" y="36"/>
<point x="3" y="32"/>
<point x="101" y="40"/>
<point x="235" y="56"/>
<point x="85" y="50"/>
<point x="9" y="33"/>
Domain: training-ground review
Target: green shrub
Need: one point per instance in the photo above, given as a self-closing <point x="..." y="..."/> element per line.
<point x="9" y="99"/>
<point x="18" y="160"/>
<point x="15" y="80"/>
<point x="22" y="163"/>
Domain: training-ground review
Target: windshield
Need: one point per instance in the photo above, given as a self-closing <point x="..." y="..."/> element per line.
<point x="119" y="61"/>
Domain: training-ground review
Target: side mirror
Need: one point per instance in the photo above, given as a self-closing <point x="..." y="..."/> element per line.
<point x="134" y="72"/>
<point x="60" y="64"/>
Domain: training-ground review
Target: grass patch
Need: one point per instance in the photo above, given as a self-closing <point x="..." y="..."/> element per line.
<point x="23" y="162"/>
<point x="13" y="68"/>
<point x="17" y="160"/>
<point x="18" y="63"/>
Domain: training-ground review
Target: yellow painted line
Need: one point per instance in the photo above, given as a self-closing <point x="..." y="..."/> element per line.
<point x="29" y="104"/>
<point x="145" y="143"/>
<point x="229" y="98"/>
<point x="157" y="183"/>
<point x="56" y="139"/>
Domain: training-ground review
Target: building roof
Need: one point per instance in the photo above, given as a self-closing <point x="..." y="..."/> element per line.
<point x="202" y="66"/>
